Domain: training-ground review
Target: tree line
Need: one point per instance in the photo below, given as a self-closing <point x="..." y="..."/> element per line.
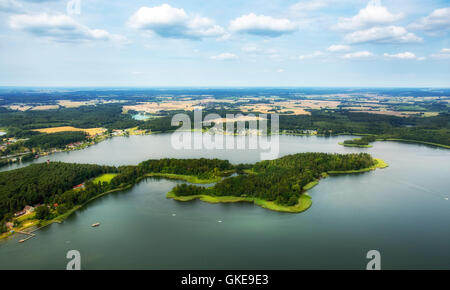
<point x="45" y="141"/>
<point x="53" y="183"/>
<point x="42" y="183"/>
<point x="281" y="180"/>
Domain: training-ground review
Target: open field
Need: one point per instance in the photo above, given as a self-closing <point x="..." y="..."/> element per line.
<point x="21" y="108"/>
<point x="72" y="104"/>
<point x="380" y="164"/>
<point x="304" y="202"/>
<point x="44" y="108"/>
<point x="91" y="131"/>
<point x="391" y="113"/>
<point x="235" y="119"/>
<point x="104" y="178"/>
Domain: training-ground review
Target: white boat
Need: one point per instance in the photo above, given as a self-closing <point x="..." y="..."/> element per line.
<point x="95" y="225"/>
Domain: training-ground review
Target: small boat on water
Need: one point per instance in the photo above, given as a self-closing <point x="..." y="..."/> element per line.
<point x="95" y="225"/>
<point x="21" y="241"/>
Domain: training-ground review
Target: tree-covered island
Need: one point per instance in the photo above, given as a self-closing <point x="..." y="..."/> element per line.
<point x="363" y="142"/>
<point x="40" y="194"/>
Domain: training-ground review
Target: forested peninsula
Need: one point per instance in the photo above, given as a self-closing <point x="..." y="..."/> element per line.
<point x="55" y="189"/>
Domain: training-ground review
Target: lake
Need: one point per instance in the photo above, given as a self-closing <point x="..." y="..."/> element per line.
<point x="141" y="117"/>
<point x="400" y="211"/>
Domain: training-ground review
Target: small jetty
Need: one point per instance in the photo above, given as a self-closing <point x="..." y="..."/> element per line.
<point x="30" y="236"/>
<point x="95" y="225"/>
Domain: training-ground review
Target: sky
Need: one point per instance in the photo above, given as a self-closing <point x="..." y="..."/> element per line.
<point x="300" y="43"/>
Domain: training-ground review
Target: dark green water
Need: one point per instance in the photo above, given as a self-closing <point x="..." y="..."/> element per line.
<point x="400" y="211"/>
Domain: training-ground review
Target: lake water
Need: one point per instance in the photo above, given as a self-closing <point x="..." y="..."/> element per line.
<point x="141" y="117"/>
<point x="400" y="211"/>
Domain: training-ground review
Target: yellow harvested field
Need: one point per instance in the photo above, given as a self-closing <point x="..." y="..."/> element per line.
<point x="75" y="104"/>
<point x="91" y="131"/>
<point x="155" y="107"/>
<point x="43" y="108"/>
<point x="235" y="119"/>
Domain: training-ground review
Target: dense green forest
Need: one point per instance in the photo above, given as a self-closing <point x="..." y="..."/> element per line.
<point x="41" y="183"/>
<point x="201" y="168"/>
<point x="281" y="180"/>
<point x="44" y="142"/>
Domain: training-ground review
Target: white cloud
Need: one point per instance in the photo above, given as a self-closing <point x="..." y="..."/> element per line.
<point x="338" y="48"/>
<point x="358" y="55"/>
<point x="443" y="54"/>
<point x="262" y="25"/>
<point x="388" y="34"/>
<point x="10" y="6"/>
<point x="224" y="56"/>
<point x="439" y="19"/>
<point x="170" y="22"/>
<point x="403" y="55"/>
<point x="280" y="70"/>
<point x="306" y="6"/>
<point x="373" y="14"/>
<point x="61" y="28"/>
<point x="316" y="54"/>
<point x="251" y="49"/>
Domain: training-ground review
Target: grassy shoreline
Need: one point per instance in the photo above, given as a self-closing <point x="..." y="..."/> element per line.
<point x="304" y="202"/>
<point x="342" y="134"/>
<point x="354" y="145"/>
<point x="59" y="219"/>
<point x="380" y="164"/>
<point x="415" y="142"/>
